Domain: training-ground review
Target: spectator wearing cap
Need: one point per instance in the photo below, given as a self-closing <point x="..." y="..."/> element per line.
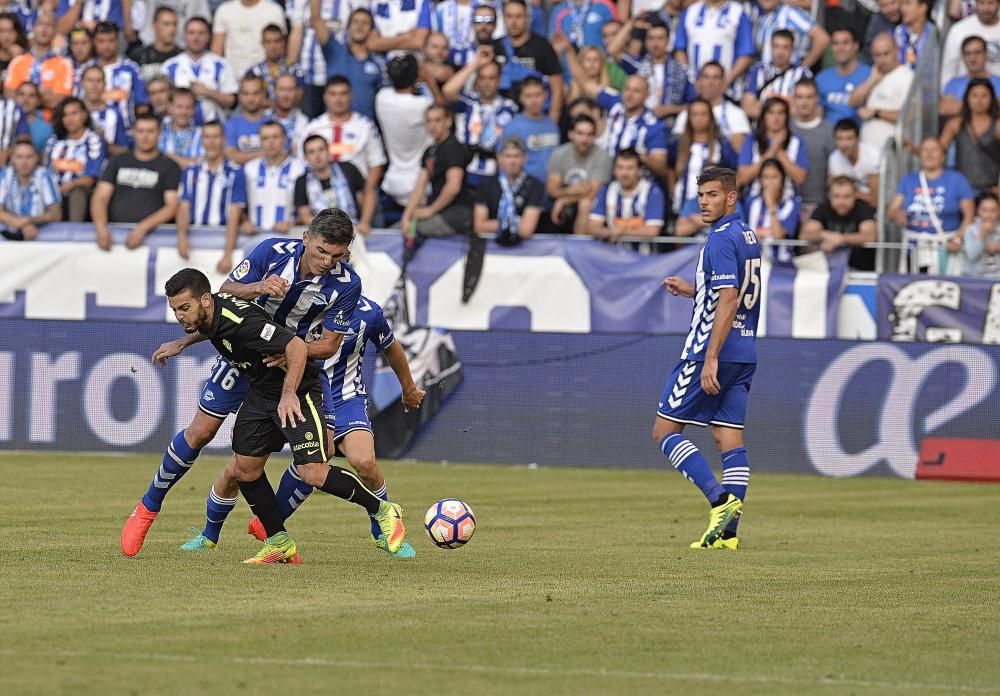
<point x="236" y="30"/>
<point x="29" y="195"/>
<point x="630" y="204"/>
<point x="879" y="99"/>
<point x="243" y="127"/>
<point x="576" y="172"/>
<point x="509" y="205"/>
<point x="206" y="74"/>
<point x="275" y="44"/>
<point x="125" y="88"/>
<point x="352" y="59"/>
<point x="90" y="13"/>
<point x="161" y="43"/>
<point x="401" y="109"/>
<point x="974" y="55"/>
<point x="481" y="114"/>
<point x="523" y="54"/>
<point x="51" y="72"/>
<point x="985" y="24"/>
<point x="400" y="25"/>
<point x="540" y="134"/>
<point x="844" y="220"/>
<point x="447" y="209"/>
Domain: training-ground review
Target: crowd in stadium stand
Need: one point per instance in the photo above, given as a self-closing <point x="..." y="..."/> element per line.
<point x="503" y="118"/>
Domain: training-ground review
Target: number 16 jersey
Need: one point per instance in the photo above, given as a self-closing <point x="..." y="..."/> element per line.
<point x="729" y="259"/>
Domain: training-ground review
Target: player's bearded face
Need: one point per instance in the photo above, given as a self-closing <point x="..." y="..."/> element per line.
<point x="189" y="311"/>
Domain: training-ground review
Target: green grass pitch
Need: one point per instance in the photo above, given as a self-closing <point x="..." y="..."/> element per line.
<point x="576" y="582"/>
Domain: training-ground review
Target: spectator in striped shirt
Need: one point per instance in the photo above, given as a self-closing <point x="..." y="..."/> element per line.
<point x="243" y="127"/>
<point x="106" y="118"/>
<point x="212" y="193"/>
<point x="773" y="139"/>
<point x="733" y="123"/>
<point x="670" y="90"/>
<point x="126" y="90"/>
<point x="283" y="108"/>
<point x="92" y="12"/>
<point x="12" y="126"/>
<point x="76" y="154"/>
<point x="628" y="205"/>
<point x="778" y="16"/>
<point x="274" y="65"/>
<point x="774" y="212"/>
<point x="29" y="195"/>
<point x="270" y="184"/>
<point x="776" y="79"/>
<point x="206" y="74"/>
<point x="400" y="25"/>
<point x="180" y="139"/>
<point x="632" y="126"/>
<point x="81" y="51"/>
<point x="28" y="98"/>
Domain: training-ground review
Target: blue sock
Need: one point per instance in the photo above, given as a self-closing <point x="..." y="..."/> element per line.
<point x="292" y="492"/>
<point x="217" y="510"/>
<point x="735" y="479"/>
<point x="686" y="458"/>
<point x="383" y="494"/>
<point x="176" y="461"/>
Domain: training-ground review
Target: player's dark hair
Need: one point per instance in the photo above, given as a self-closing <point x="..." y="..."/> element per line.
<point x="628" y="153"/>
<point x="333" y="225"/>
<point x="313" y="138"/>
<point x="582" y="118"/>
<point x="57" y="118"/>
<point x="337" y="80"/>
<point x="162" y="9"/>
<point x="783" y="34"/>
<point x="187" y="279"/>
<point x="724" y="175"/>
<point x="847" y="124"/>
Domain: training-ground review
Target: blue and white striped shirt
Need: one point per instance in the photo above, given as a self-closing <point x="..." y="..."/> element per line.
<point x="212" y="71"/>
<point x="125" y="88"/>
<point x="110" y="124"/>
<point x="294" y="123"/>
<point x="344" y="369"/>
<point x="784" y="17"/>
<point x="263" y="70"/>
<point x="31" y="199"/>
<point x="644" y="132"/>
<point x="765" y="78"/>
<point x="271" y="190"/>
<point x="668" y="83"/>
<point x="482" y="125"/>
<point x="72" y="159"/>
<point x="310" y="305"/>
<point x="721" y="34"/>
<point x="210" y="192"/>
<point x="12" y="123"/>
<point x="181" y="142"/>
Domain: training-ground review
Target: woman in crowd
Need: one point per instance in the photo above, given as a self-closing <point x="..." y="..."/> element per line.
<point x="587" y="66"/>
<point x="81" y="51"/>
<point x="29" y="99"/>
<point x="934" y="206"/>
<point x="702" y="145"/>
<point x="76" y="154"/>
<point x="911" y="35"/>
<point x="773" y="139"/>
<point x="436" y="49"/>
<point x="13" y="40"/>
<point x="976" y="134"/>
<point x="981" y="243"/>
<point x="775" y="212"/>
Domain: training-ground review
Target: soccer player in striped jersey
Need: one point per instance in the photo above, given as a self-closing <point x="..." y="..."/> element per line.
<point x="711" y="383"/>
<point x="181" y="139"/>
<point x="29" y="195"/>
<point x="209" y="76"/>
<point x="212" y="193"/>
<point x="77" y="155"/>
<point x="12" y="125"/>
<point x="106" y="118"/>
<point x="774" y="79"/>
<point x="305" y="286"/>
<point x="345" y="402"/>
<point x="126" y="90"/>
<point x="628" y="205"/>
<point x="270" y="185"/>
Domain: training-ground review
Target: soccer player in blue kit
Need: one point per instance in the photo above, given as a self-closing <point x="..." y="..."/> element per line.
<point x="711" y="383"/>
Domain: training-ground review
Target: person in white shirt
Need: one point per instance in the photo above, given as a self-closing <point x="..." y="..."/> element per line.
<point x="206" y="74"/>
<point x="855" y="159"/>
<point x="733" y="122"/>
<point x="984" y="24"/>
<point x="400" y="25"/>
<point x="237" y="28"/>
<point x="718" y="30"/>
<point x="401" y="111"/>
<point x="353" y="138"/>
<point x="883" y="93"/>
<point x="270" y="184"/>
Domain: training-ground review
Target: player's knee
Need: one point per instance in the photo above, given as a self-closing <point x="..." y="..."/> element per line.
<point x="201" y="432"/>
<point x="368" y="470"/>
<point x="313" y="474"/>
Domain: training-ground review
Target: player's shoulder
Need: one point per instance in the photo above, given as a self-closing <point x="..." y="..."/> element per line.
<point x="276" y="247"/>
<point x="343" y="276"/>
<point x="368" y="309"/>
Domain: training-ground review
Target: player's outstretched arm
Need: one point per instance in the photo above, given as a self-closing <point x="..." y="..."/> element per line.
<point x="288" y="406"/>
<point x="172" y="348"/>
<point x="413" y="395"/>
<point x="678" y="286"/>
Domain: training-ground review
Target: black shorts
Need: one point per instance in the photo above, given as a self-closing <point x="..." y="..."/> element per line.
<point x="258" y="432"/>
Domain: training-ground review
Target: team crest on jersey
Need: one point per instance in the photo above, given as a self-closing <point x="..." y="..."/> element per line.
<point x="267" y="332"/>
<point x="242" y="270"/>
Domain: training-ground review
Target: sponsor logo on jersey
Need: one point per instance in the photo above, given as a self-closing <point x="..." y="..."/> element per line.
<point x="267" y="332"/>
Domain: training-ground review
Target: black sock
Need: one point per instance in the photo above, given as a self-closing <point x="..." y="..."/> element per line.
<point x="343" y="484"/>
<point x="260" y="496"/>
<point x="721" y="499"/>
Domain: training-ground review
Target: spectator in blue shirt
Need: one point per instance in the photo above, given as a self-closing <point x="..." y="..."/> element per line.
<point x="352" y="59"/>
<point x="838" y="81"/>
<point x="243" y="127"/>
<point x="974" y="55"/>
<point x="539" y="134"/>
<point x="29" y="99"/>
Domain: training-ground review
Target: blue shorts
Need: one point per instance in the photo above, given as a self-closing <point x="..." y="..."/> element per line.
<point x="683" y="400"/>
<point x="224" y="390"/>
<point x="345" y="416"/>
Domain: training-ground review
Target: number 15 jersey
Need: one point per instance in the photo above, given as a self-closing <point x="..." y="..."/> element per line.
<point x="729" y="259"/>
